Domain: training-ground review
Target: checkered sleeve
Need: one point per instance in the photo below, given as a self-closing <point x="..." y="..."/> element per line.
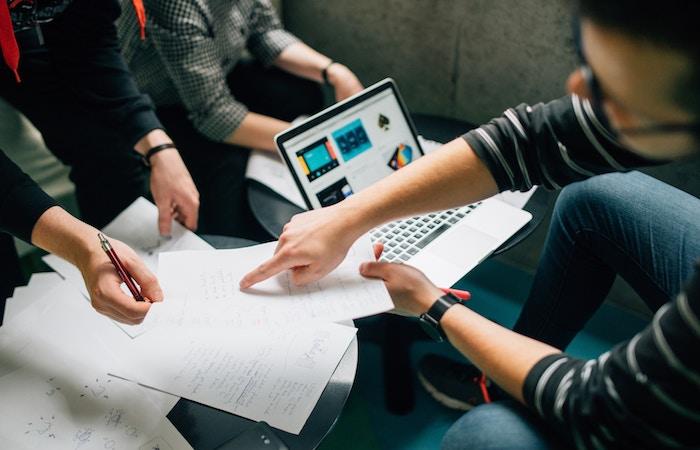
<point x="267" y="37"/>
<point x="181" y="35"/>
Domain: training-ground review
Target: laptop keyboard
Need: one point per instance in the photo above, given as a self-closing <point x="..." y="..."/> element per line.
<point x="404" y="238"/>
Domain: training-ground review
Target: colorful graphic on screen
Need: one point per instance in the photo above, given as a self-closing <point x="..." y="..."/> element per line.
<point x="317" y="159"/>
<point x="403" y="155"/>
<point x="336" y="192"/>
<point x="352" y="140"/>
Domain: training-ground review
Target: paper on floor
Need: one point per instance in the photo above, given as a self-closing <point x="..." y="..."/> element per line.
<point x="136" y="226"/>
<point x="276" y="375"/>
<point x="202" y="290"/>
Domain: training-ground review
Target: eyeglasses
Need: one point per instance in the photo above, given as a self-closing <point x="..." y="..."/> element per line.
<point x="597" y="96"/>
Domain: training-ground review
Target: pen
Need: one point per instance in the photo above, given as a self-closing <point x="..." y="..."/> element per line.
<point x="121" y="270"/>
<point x="462" y="295"/>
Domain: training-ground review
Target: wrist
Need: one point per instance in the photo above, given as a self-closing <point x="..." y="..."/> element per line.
<point x="335" y="73"/>
<point x="58" y="232"/>
<point x="152" y="139"/>
<point x="426" y="300"/>
<point x="355" y="217"/>
<point x="155" y="159"/>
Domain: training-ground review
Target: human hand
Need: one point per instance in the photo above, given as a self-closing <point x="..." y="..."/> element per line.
<point x="312" y="244"/>
<point x="104" y="285"/>
<point x="411" y="291"/>
<point x="344" y="81"/>
<point x="173" y="191"/>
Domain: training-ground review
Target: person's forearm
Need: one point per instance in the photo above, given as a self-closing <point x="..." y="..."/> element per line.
<point x="60" y="233"/>
<point x="257" y="131"/>
<point x="303" y="61"/>
<point x="505" y="357"/>
<point x="451" y="176"/>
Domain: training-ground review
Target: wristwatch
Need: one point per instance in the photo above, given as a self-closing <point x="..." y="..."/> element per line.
<point x="430" y="320"/>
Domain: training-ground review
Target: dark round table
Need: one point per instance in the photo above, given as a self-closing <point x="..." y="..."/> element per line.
<point x="273" y="211"/>
<point x="207" y="428"/>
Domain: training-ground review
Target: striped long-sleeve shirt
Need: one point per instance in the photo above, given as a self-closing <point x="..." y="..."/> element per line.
<point x="643" y="393"/>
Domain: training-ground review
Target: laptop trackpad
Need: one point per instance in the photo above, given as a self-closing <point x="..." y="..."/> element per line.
<point x="449" y="258"/>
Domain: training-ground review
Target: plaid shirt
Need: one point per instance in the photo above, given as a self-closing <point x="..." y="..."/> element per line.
<point x="191" y="46"/>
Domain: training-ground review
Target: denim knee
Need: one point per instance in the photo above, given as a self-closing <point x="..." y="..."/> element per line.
<point x="499" y="425"/>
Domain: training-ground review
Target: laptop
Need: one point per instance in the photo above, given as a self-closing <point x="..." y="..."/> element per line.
<point x="353" y="144"/>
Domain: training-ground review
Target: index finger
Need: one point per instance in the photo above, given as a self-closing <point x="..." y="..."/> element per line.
<point x="278" y="263"/>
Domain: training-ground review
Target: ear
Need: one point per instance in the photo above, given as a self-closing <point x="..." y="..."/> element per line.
<point x="576" y="84"/>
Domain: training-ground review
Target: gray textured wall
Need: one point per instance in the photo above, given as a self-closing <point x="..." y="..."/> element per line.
<point x="464" y="59"/>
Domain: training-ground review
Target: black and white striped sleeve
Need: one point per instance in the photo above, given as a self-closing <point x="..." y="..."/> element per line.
<point x="267" y="37"/>
<point x="644" y="393"/>
<point x="550" y="144"/>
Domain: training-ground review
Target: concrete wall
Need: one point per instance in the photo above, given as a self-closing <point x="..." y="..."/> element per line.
<point x="463" y="59"/>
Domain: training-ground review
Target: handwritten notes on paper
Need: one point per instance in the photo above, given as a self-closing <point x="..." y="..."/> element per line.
<point x="276" y="375"/>
<point x="136" y="226"/>
<point x="202" y="291"/>
<point x="51" y="400"/>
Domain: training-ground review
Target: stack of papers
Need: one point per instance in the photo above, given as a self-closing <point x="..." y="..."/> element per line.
<point x="264" y="354"/>
<point x="54" y="383"/>
<point x="137" y="227"/>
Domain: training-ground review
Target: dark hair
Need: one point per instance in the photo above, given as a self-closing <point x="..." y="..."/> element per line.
<point x="670" y="23"/>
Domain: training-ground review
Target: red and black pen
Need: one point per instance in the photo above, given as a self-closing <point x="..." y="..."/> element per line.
<point x="121" y="270"/>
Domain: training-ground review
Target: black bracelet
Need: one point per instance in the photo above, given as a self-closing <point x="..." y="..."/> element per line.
<point x="324" y="73"/>
<point x="158" y="148"/>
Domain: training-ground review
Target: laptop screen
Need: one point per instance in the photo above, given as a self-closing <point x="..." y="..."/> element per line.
<point x="350" y="146"/>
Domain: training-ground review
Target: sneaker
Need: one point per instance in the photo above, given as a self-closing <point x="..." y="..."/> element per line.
<point x="452" y="384"/>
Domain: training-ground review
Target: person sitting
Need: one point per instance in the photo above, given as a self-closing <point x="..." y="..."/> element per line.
<point x="634" y="101"/>
<point x="217" y="103"/>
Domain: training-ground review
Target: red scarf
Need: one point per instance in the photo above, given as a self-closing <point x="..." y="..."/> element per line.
<point x="8" y="43"/>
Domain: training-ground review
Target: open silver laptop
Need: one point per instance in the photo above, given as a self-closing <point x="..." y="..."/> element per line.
<point x="355" y="143"/>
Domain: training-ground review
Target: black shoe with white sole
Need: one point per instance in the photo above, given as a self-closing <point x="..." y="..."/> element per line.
<point x="456" y="385"/>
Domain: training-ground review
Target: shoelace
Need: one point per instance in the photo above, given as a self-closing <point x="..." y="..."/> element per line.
<point x="8" y="42"/>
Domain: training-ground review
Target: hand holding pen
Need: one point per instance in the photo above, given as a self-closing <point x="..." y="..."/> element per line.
<point x="104" y="274"/>
<point x="121" y="270"/>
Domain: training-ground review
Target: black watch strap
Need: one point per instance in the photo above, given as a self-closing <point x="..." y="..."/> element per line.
<point x="431" y="318"/>
<point x="324" y="73"/>
<point x="158" y="148"/>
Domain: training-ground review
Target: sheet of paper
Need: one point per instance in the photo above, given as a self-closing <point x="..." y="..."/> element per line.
<point x="166" y="437"/>
<point x="276" y="375"/>
<point x="202" y="290"/>
<point x="38" y="285"/>
<point x="269" y="169"/>
<point x="136" y="226"/>
<point x="69" y="407"/>
<point x="52" y="400"/>
<point x="51" y="320"/>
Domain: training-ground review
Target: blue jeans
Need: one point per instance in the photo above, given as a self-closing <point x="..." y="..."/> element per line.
<point x="630" y="225"/>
